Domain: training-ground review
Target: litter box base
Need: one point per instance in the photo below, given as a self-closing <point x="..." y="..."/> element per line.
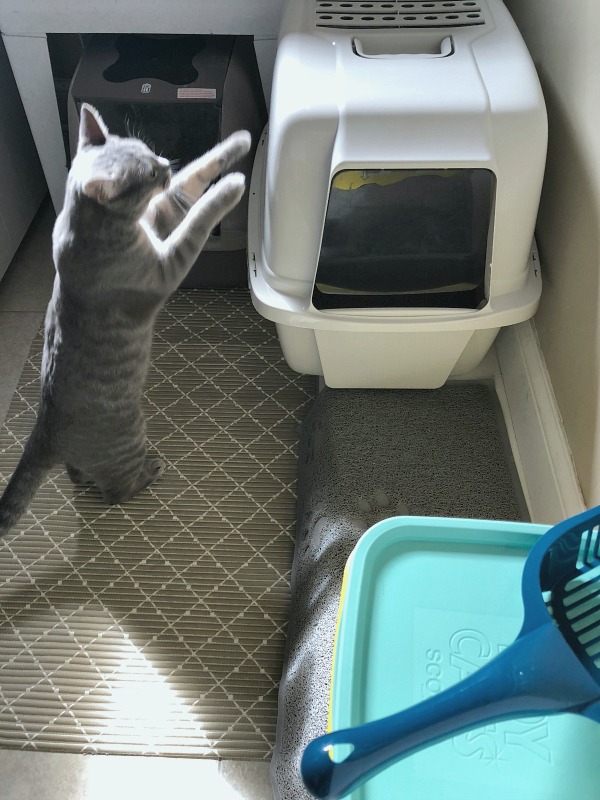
<point x="363" y="360"/>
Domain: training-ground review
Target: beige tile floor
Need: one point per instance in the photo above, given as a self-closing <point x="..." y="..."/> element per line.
<point x="24" y="293"/>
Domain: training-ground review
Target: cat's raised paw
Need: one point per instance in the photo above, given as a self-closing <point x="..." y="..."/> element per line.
<point x="231" y="187"/>
<point x="238" y="144"/>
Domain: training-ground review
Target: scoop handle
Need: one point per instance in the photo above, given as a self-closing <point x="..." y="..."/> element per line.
<point x="538" y="674"/>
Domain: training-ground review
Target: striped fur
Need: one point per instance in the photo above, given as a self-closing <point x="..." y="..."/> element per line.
<point x="125" y="239"/>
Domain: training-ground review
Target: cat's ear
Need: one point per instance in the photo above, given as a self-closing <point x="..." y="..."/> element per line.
<point x="102" y="190"/>
<point x="92" y="130"/>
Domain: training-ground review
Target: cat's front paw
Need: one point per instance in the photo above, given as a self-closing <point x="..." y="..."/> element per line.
<point x="235" y="147"/>
<point x="231" y="188"/>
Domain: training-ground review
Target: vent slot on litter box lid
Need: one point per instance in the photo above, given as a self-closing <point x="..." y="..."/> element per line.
<point x="406" y="238"/>
<point x="398" y="14"/>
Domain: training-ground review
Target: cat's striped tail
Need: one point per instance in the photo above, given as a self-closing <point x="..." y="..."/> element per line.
<point x="27" y="477"/>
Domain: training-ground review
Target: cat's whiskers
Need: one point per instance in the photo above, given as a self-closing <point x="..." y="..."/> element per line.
<point x="180" y="200"/>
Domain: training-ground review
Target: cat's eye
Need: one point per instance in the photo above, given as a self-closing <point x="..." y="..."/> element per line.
<point x="153" y="172"/>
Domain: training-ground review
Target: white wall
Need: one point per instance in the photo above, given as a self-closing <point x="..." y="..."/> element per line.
<point x="564" y="39"/>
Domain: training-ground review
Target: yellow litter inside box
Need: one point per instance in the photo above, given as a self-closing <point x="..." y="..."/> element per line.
<point x="349" y="179"/>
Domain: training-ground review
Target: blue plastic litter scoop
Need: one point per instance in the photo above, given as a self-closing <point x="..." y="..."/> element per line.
<point x="553" y="666"/>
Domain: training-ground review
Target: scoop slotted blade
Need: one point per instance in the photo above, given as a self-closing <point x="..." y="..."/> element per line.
<point x="553" y="666"/>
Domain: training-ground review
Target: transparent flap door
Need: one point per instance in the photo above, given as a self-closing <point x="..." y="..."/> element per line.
<point x="406" y="238"/>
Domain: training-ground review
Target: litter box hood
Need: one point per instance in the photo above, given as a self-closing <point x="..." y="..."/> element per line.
<point x="395" y="190"/>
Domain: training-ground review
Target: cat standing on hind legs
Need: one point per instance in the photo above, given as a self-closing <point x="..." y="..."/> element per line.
<point x="128" y="234"/>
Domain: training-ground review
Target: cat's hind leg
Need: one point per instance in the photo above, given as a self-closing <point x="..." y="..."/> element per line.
<point x="118" y="487"/>
<point x="77" y="476"/>
<point x="120" y="467"/>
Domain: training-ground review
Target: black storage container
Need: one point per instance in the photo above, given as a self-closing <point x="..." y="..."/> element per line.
<point x="181" y="95"/>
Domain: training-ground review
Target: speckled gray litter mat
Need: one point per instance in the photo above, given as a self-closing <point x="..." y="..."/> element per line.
<point x="365" y="456"/>
<point x="158" y="627"/>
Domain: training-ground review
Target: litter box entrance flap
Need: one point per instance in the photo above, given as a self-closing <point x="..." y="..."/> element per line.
<point x="406" y="238"/>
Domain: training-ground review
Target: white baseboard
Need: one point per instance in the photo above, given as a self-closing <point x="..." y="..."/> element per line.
<point x="546" y="465"/>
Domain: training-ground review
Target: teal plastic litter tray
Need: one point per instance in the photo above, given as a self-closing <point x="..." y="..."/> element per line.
<point x="426" y="602"/>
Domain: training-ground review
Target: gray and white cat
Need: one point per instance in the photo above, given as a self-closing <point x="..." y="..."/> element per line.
<point x="126" y="237"/>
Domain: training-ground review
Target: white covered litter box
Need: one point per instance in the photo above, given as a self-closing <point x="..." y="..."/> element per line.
<point x="395" y="189"/>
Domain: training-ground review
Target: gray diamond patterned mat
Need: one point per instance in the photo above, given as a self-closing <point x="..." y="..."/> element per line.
<point x="158" y="627"/>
